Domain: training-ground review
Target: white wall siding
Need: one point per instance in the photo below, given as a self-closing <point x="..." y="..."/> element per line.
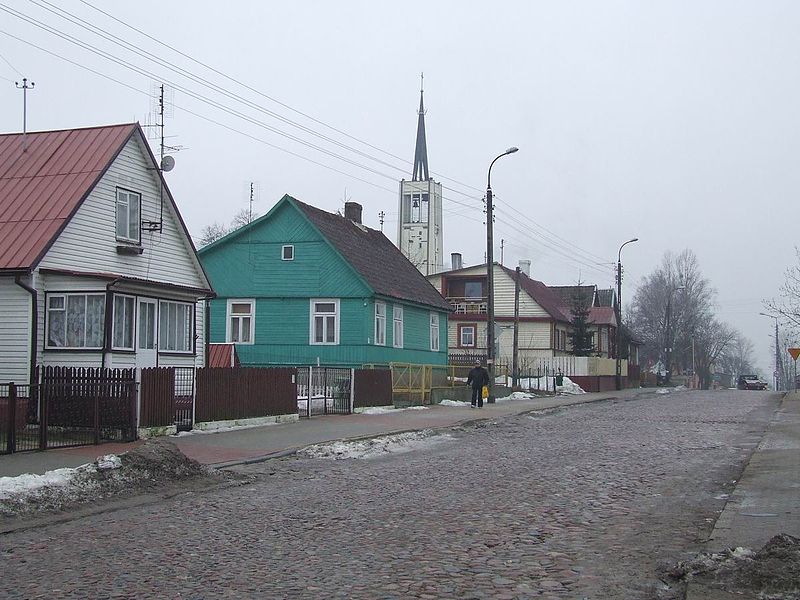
<point x="15" y="328"/>
<point x="88" y="242"/>
<point x="504" y="298"/>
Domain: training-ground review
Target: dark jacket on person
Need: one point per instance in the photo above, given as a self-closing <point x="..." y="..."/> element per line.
<point x="478" y="377"/>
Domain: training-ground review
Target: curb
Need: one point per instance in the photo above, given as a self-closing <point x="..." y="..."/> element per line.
<point x="464" y="423"/>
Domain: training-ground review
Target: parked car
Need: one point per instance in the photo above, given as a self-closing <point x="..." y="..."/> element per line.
<point x="750" y="382"/>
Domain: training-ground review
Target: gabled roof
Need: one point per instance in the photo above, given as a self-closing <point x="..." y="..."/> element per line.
<point x="384" y="268"/>
<point x="567" y="293"/>
<point x="605" y="297"/>
<point x="542" y="294"/>
<point x="602" y="315"/>
<point x="44" y="178"/>
<point x="222" y="355"/>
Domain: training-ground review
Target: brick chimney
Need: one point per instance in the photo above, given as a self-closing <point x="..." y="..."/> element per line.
<point x="352" y="211"/>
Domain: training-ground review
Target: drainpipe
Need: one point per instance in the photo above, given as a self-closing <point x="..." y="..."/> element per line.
<point x="34" y="325"/>
<point x="107" y="326"/>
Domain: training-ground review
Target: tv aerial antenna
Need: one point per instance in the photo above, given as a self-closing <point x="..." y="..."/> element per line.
<point x="162" y="108"/>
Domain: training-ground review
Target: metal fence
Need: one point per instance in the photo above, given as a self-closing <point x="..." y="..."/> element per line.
<point x="68" y="407"/>
<point x="324" y="391"/>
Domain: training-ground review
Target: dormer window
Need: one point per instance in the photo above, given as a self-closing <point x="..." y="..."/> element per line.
<point x="129" y="216"/>
<point x="287" y="252"/>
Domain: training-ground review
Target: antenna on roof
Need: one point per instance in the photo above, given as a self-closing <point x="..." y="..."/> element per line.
<point x="381" y="217"/>
<point x="25" y="87"/>
<point x="163" y="108"/>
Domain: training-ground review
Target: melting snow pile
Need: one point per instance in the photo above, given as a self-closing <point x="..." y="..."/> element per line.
<point x="454" y="403"/>
<point x="382" y="410"/>
<point x="154" y="462"/>
<point x="375" y="447"/>
<point x="771" y="572"/>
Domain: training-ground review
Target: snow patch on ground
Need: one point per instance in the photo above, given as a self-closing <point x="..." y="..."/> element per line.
<point x="454" y="403"/>
<point x="382" y="410"/>
<point x="375" y="447"/>
<point x="155" y="462"/>
<point x="662" y="391"/>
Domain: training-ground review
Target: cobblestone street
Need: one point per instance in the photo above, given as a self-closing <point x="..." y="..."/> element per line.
<point x="585" y="502"/>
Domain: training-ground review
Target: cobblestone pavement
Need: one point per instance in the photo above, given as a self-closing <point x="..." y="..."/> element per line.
<point x="585" y="502"/>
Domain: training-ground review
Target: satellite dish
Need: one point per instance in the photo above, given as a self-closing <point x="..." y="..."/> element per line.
<point x="167" y="163"/>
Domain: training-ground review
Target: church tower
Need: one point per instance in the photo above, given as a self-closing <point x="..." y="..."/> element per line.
<point x="419" y="223"/>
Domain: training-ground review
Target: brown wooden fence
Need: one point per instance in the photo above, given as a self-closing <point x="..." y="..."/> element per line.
<point x="224" y="394"/>
<point x="157" y="397"/>
<point x="372" y="387"/>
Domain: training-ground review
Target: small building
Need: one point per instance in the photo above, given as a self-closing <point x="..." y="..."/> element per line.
<point x="97" y="268"/>
<point x="602" y="314"/>
<point x="302" y="286"/>
<point x="543" y="324"/>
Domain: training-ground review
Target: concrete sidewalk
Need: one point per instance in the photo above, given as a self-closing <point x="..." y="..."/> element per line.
<point x="766" y="499"/>
<point x="258" y="443"/>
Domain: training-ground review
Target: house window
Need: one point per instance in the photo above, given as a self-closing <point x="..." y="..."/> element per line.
<point x="122" y="335"/>
<point x="287" y="252"/>
<point x="175" y="327"/>
<point x="434" y="332"/>
<point x="75" y="320"/>
<point x="324" y="321"/>
<point x="380" y="323"/>
<point x="397" y="326"/>
<point x="241" y="321"/>
<point x="128" y="215"/>
<point x="466" y="336"/>
<point x="473" y="289"/>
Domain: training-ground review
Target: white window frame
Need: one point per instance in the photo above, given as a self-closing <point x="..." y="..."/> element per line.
<point x="129" y="320"/>
<point x="65" y="297"/>
<point x="123" y="203"/>
<point x="397" y="326"/>
<point x="312" y="321"/>
<point x="434" y="326"/>
<point x="163" y="309"/>
<point x="230" y="315"/>
<point x="380" y="323"/>
<point x="461" y="330"/>
<point x="283" y="251"/>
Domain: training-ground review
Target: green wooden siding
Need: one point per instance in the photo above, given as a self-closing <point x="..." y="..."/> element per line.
<point x="250" y="266"/>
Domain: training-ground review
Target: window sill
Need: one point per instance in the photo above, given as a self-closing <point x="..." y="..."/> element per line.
<point x="129" y="250"/>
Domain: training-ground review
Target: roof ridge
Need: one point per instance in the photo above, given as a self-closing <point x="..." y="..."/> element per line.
<point x="132" y="124"/>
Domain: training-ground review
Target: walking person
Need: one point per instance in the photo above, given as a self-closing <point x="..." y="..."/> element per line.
<point x="478" y="378"/>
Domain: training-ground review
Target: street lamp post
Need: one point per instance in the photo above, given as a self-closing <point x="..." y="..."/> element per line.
<point x="668" y="333"/>
<point x="777" y="373"/>
<point x="490" y="273"/>
<point x="619" y="312"/>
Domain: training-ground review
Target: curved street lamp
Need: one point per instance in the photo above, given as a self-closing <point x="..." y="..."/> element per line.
<point x="490" y="273"/>
<point x="619" y="313"/>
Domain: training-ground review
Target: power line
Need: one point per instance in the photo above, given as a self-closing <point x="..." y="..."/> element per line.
<point x="13" y="68"/>
<point x="233" y="112"/>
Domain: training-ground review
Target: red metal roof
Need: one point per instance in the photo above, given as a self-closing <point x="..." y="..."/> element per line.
<point x="43" y="180"/>
<point x="222" y="355"/>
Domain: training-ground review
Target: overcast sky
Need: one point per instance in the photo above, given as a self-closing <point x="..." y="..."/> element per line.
<point x="675" y="122"/>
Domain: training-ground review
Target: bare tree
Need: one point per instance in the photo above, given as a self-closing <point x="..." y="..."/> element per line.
<point x="712" y="340"/>
<point x="211" y="233"/>
<point x="737" y="359"/>
<point x="242" y="218"/>
<point x="677" y="281"/>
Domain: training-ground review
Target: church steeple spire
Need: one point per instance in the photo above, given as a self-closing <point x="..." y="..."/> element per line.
<point x="421" y="150"/>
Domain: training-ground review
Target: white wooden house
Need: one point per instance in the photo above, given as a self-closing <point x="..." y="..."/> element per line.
<point x="543" y="324"/>
<point x="97" y="268"/>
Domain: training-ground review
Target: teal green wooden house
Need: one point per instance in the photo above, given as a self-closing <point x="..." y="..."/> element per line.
<point x="301" y="286"/>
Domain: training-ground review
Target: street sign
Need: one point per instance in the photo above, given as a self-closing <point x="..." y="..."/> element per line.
<point x="795" y="352"/>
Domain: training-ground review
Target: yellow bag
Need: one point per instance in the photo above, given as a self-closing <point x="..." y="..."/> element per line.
<point x="485" y="392"/>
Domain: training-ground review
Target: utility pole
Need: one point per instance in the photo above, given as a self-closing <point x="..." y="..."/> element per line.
<point x="490" y="273"/>
<point x="668" y="333"/>
<point x="618" y="378"/>
<point x="515" y="360"/>
<point x="502" y="248"/>
<point x="25" y="87"/>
